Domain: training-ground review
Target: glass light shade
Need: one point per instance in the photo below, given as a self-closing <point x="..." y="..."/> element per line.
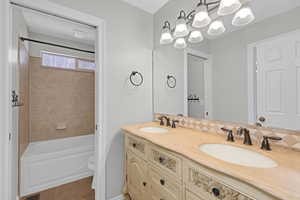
<point x="180" y="43"/>
<point x="166" y="36"/>
<point x="201" y="18"/>
<point x="243" y="17"/>
<point x="181" y="29"/>
<point x="216" y="28"/>
<point x="228" y="7"/>
<point x="195" y="36"/>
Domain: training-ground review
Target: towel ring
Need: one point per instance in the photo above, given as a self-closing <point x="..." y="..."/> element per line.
<point x="171" y="79"/>
<point x="134" y="73"/>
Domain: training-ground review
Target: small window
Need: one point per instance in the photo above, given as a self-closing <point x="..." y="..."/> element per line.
<point x="54" y="60"/>
<point x="58" y="61"/>
<point x="86" y="65"/>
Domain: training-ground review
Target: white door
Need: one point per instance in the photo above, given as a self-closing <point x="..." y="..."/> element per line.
<point x="278" y="81"/>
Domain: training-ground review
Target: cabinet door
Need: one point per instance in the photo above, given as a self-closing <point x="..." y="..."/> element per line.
<point x="190" y="196"/>
<point x="136" y="177"/>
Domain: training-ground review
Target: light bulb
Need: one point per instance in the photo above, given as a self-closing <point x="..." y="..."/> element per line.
<point x="228" y="7"/>
<point x="216" y="28"/>
<point x="195" y="36"/>
<point x="181" y="29"/>
<point x="166" y="36"/>
<point x="201" y="18"/>
<point x="180" y="43"/>
<point x="243" y="17"/>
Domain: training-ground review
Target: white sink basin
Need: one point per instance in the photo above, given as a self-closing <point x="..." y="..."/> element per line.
<point x="238" y="155"/>
<point x="153" y="130"/>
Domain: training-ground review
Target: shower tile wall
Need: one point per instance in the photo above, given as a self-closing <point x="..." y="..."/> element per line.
<point x="60" y="98"/>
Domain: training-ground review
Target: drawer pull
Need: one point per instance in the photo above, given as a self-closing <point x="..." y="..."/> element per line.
<point x="162" y="182"/>
<point x="134" y="145"/>
<point x="144" y="184"/>
<point x="161" y="159"/>
<point x="216" y="192"/>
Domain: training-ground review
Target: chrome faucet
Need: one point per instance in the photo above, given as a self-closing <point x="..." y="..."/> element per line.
<point x="168" y="123"/>
<point x="246" y="133"/>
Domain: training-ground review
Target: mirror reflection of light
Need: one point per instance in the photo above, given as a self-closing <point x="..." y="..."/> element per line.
<point x="243" y="17"/>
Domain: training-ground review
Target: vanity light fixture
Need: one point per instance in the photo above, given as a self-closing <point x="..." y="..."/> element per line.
<point x="201" y="18"/>
<point x="180" y="43"/>
<point x="181" y="29"/>
<point x="228" y="7"/>
<point x="243" y="17"/>
<point x="166" y="35"/>
<point x="188" y="25"/>
<point x="216" y="28"/>
<point x="195" y="36"/>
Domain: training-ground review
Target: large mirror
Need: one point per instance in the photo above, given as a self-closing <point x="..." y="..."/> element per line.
<point x="239" y="67"/>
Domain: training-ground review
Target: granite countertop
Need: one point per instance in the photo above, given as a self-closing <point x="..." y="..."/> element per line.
<point x="282" y="182"/>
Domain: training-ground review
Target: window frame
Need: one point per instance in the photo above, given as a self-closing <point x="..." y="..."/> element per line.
<point x="77" y="69"/>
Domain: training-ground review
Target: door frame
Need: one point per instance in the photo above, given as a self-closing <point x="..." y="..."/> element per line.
<point x="100" y="89"/>
<point x="207" y="79"/>
<point x="251" y="73"/>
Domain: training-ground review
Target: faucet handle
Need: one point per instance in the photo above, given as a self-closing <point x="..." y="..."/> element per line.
<point x="265" y="145"/>
<point x="174" y="123"/>
<point x="230" y="136"/>
<point x="168" y="121"/>
<point x="161" y="121"/>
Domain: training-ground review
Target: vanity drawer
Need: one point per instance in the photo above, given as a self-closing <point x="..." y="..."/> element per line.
<point x="163" y="186"/>
<point x="207" y="187"/>
<point x="136" y="145"/>
<point x="165" y="160"/>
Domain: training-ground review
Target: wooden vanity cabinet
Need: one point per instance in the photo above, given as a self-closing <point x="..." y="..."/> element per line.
<point x="136" y="177"/>
<point x="191" y="196"/>
<point x="154" y="173"/>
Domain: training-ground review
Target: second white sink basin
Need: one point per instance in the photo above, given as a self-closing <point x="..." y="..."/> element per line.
<point x="153" y="129"/>
<point x="238" y="155"/>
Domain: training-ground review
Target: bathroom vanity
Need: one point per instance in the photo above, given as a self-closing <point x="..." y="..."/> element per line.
<point x="164" y="163"/>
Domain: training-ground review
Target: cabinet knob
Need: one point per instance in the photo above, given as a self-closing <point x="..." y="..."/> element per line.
<point x="216" y="192"/>
<point x="144" y="184"/>
<point x="162" y="182"/>
<point x="134" y="145"/>
<point x="161" y="159"/>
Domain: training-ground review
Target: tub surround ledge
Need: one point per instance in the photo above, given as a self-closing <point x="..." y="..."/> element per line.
<point x="281" y="182"/>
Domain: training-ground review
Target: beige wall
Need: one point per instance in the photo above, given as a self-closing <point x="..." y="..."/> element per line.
<point x="57" y="98"/>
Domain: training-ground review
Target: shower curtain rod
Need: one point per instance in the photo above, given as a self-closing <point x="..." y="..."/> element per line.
<point x="56" y="45"/>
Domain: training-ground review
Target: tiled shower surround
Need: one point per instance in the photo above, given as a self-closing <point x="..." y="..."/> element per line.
<point x="290" y="139"/>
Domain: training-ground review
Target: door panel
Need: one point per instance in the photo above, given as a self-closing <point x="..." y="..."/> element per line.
<point x="278" y="81"/>
<point x="274" y="83"/>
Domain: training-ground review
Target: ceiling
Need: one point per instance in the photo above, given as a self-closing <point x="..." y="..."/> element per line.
<point x="151" y="6"/>
<point x="58" y="27"/>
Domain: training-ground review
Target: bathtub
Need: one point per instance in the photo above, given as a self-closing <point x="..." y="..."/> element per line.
<point x="48" y="164"/>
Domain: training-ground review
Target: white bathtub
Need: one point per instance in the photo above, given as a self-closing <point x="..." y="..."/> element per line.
<point x="52" y="163"/>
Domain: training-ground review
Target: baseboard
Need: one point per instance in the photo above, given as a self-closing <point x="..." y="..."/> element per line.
<point x="120" y="197"/>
